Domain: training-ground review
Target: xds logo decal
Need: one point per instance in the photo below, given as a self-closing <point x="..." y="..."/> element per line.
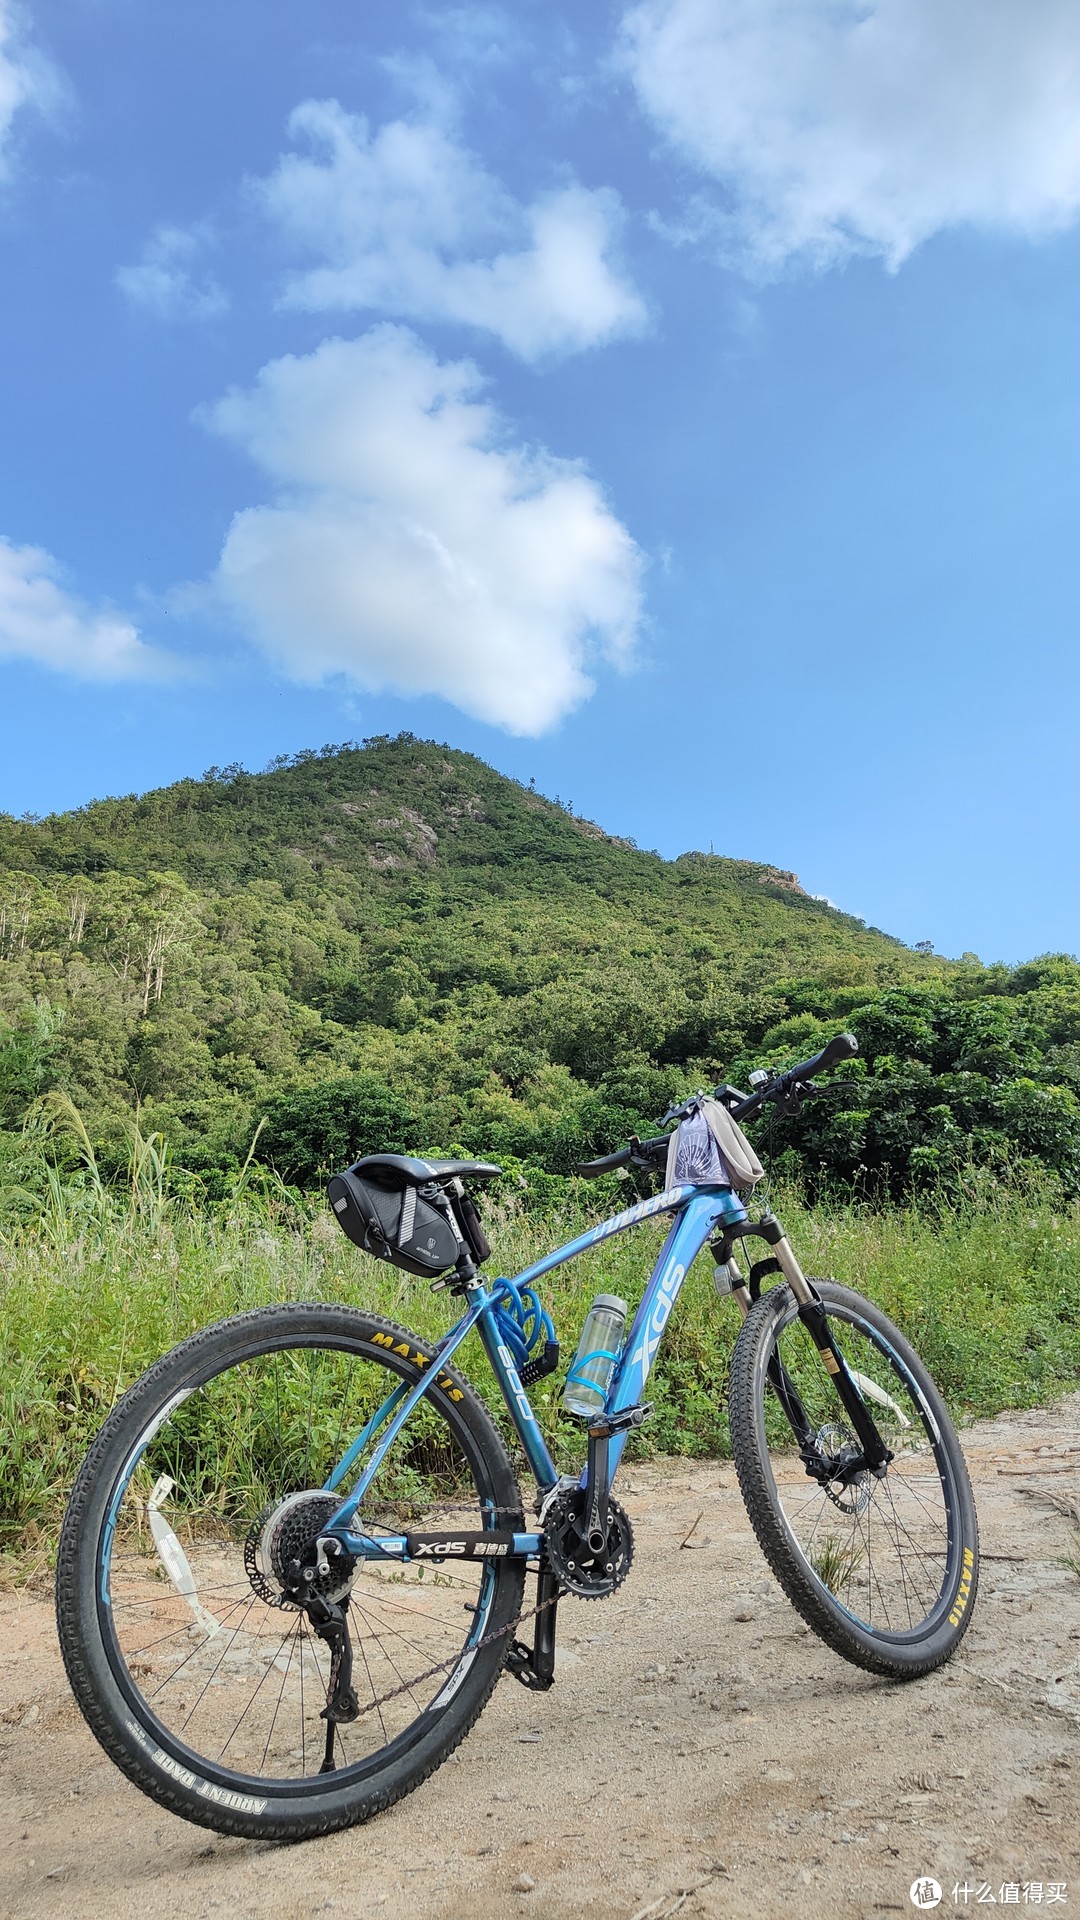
<point x="658" y="1318"/>
<point x="476" y="1549"/>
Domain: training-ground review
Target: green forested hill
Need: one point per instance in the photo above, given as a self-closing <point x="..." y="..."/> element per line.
<point x="394" y="944"/>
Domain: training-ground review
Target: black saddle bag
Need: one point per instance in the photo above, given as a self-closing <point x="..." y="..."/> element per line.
<point x="412" y="1227"/>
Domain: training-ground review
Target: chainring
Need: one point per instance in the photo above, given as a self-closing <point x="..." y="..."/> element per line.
<point x="569" y="1557"/>
<point x="287" y="1532"/>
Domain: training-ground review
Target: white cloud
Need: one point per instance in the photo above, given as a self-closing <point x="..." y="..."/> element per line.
<point x="41" y="621"/>
<point x="410" y="547"/>
<point x="865" y="126"/>
<point x="474" y="36"/>
<point x="405" y="220"/>
<point x="163" y="282"/>
<point x="26" y="78"/>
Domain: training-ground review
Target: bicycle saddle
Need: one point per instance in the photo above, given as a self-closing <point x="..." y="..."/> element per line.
<point x="416" y="1173"/>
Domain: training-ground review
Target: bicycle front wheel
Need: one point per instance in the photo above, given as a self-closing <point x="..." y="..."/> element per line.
<point x="197" y="1674"/>
<point x="884" y="1568"/>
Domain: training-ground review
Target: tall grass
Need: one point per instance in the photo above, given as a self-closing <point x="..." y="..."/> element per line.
<point x="96" y="1283"/>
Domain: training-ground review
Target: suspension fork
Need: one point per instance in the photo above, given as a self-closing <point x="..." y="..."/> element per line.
<point x="779" y="1379"/>
<point x="814" y="1318"/>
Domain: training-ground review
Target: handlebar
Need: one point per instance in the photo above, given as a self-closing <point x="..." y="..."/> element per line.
<point x="639" y="1152"/>
<point x="609" y="1163"/>
<point x="781" y="1088"/>
<point x="841" y="1047"/>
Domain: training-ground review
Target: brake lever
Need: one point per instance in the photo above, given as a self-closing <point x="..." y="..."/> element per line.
<point x="791" y="1100"/>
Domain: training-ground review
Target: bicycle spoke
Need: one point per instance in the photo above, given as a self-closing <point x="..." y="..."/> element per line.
<point x="881" y="1545"/>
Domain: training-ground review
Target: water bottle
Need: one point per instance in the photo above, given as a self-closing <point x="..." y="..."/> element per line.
<point x="594" y="1362"/>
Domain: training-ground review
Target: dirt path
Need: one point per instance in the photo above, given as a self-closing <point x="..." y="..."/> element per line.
<point x="701" y="1752"/>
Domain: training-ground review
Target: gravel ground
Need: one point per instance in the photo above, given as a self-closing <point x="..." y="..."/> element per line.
<point x="701" y="1753"/>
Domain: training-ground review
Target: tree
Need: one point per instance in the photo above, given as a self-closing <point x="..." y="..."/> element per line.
<point x="312" y="1133"/>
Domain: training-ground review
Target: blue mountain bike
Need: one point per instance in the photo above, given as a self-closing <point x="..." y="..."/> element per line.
<point x="294" y="1562"/>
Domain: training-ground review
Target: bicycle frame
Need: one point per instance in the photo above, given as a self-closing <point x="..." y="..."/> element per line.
<point x="697" y="1211"/>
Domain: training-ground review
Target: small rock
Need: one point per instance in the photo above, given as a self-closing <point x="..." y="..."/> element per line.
<point x="524" y="1883"/>
<point x="743" y="1613"/>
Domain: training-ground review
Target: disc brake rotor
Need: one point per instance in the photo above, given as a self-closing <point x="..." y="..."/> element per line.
<point x="854" y="1496"/>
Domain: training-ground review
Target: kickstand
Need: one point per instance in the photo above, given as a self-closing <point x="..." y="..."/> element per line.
<point x="535" y="1666"/>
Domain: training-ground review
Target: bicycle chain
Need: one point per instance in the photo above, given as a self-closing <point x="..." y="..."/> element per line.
<point x="444" y="1666"/>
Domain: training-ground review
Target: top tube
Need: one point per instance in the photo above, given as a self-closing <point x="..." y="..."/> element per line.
<point x="665" y="1202"/>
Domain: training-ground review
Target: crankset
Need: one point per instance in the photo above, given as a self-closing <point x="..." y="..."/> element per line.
<point x="578" y="1568"/>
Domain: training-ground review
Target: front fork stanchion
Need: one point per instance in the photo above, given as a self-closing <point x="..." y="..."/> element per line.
<point x="876" y="1455"/>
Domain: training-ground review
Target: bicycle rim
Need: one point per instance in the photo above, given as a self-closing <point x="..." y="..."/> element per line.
<point x="218" y="1487"/>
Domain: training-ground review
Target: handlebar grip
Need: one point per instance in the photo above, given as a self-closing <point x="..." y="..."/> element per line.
<point x="591" y="1169"/>
<point x="841" y="1047"/>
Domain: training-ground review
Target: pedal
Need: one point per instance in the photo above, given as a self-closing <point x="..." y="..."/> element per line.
<point x="535" y="1666"/>
<point x="519" y="1662"/>
<point x="606" y="1424"/>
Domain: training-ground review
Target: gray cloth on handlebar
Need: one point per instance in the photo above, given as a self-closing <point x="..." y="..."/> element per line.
<point x="710" y="1147"/>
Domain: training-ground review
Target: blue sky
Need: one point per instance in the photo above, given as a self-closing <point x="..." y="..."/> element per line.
<point x="673" y="402"/>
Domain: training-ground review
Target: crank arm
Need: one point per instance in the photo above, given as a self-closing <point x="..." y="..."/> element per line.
<point x="597" y="1487"/>
<point x="535" y="1666"/>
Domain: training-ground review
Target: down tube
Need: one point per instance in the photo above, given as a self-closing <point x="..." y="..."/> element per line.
<point x="688" y="1235"/>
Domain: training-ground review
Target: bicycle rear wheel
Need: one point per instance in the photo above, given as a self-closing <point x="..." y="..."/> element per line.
<point x="196" y="1673"/>
<point x="884" y="1568"/>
